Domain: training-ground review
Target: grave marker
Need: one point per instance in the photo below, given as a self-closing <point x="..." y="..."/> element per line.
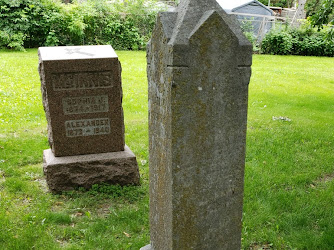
<point x="82" y="96"/>
<point x="198" y="74"/>
<point x="82" y="99"/>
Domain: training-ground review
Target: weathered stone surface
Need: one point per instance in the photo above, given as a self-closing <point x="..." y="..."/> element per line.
<point x="69" y="172"/>
<point x="198" y="73"/>
<point x="82" y="98"/>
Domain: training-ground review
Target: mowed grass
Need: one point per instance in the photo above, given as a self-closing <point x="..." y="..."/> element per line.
<point x="289" y="187"/>
<point x="289" y="201"/>
<point x="30" y="217"/>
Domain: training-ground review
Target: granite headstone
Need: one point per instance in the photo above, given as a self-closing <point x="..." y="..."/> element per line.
<point x="82" y="98"/>
<point x="198" y="74"/>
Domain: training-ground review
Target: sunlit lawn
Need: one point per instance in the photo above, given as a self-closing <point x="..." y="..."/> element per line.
<point x="289" y="187"/>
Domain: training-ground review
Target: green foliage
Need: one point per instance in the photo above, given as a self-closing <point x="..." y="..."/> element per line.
<point x="130" y="193"/>
<point x="33" y="23"/>
<point x="303" y="41"/>
<point x="312" y="6"/>
<point x="284" y="3"/>
<point x="25" y="23"/>
<point x="252" y="38"/>
<point x="247" y="28"/>
<point x="278" y="3"/>
<point x="310" y="43"/>
<point x="247" y="25"/>
<point x="108" y="191"/>
<point x="325" y="16"/>
<point x="58" y="218"/>
<point x="265" y="2"/>
<point x="12" y="40"/>
<point x="277" y="43"/>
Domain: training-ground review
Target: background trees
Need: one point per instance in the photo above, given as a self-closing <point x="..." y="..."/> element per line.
<point x="324" y="16"/>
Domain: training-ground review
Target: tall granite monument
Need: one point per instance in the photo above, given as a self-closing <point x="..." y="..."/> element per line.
<point x="198" y="73"/>
<point x="82" y="99"/>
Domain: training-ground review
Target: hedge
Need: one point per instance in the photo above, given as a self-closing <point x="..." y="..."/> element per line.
<point x="303" y="41"/>
<point x="34" y="23"/>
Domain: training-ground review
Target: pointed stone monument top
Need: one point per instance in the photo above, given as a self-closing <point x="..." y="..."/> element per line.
<point x="189" y="12"/>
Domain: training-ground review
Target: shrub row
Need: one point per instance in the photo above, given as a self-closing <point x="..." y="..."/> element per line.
<point x="306" y="42"/>
<point x="34" y="23"/>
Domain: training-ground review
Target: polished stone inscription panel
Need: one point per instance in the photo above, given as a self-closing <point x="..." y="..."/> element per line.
<point x="82" y="80"/>
<point x="87" y="127"/>
<point x="85" y="104"/>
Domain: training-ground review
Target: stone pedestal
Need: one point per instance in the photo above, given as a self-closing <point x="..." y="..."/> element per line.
<point x="148" y="247"/>
<point x="82" y="98"/>
<point x="68" y="172"/>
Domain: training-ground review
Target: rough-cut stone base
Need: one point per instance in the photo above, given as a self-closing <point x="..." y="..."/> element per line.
<point x="147" y="247"/>
<point x="69" y="172"/>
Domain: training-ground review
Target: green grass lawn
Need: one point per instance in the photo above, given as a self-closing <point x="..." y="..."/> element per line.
<point x="289" y="186"/>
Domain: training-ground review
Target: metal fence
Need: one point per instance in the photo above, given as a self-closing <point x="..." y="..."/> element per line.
<point x="260" y="25"/>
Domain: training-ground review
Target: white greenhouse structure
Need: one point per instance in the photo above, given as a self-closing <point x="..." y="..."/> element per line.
<point x="253" y="15"/>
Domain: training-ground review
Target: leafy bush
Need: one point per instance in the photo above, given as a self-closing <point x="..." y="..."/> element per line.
<point x="277" y="43"/>
<point x="11" y="40"/>
<point x="34" y="23"/>
<point x="252" y="38"/>
<point x="304" y="41"/>
<point x="24" y="22"/>
<point x="248" y="28"/>
<point x="311" y="43"/>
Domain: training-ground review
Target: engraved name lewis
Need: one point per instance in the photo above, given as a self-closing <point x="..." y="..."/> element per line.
<point x="87" y="127"/>
<point x="81" y="80"/>
<point x="85" y="104"/>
